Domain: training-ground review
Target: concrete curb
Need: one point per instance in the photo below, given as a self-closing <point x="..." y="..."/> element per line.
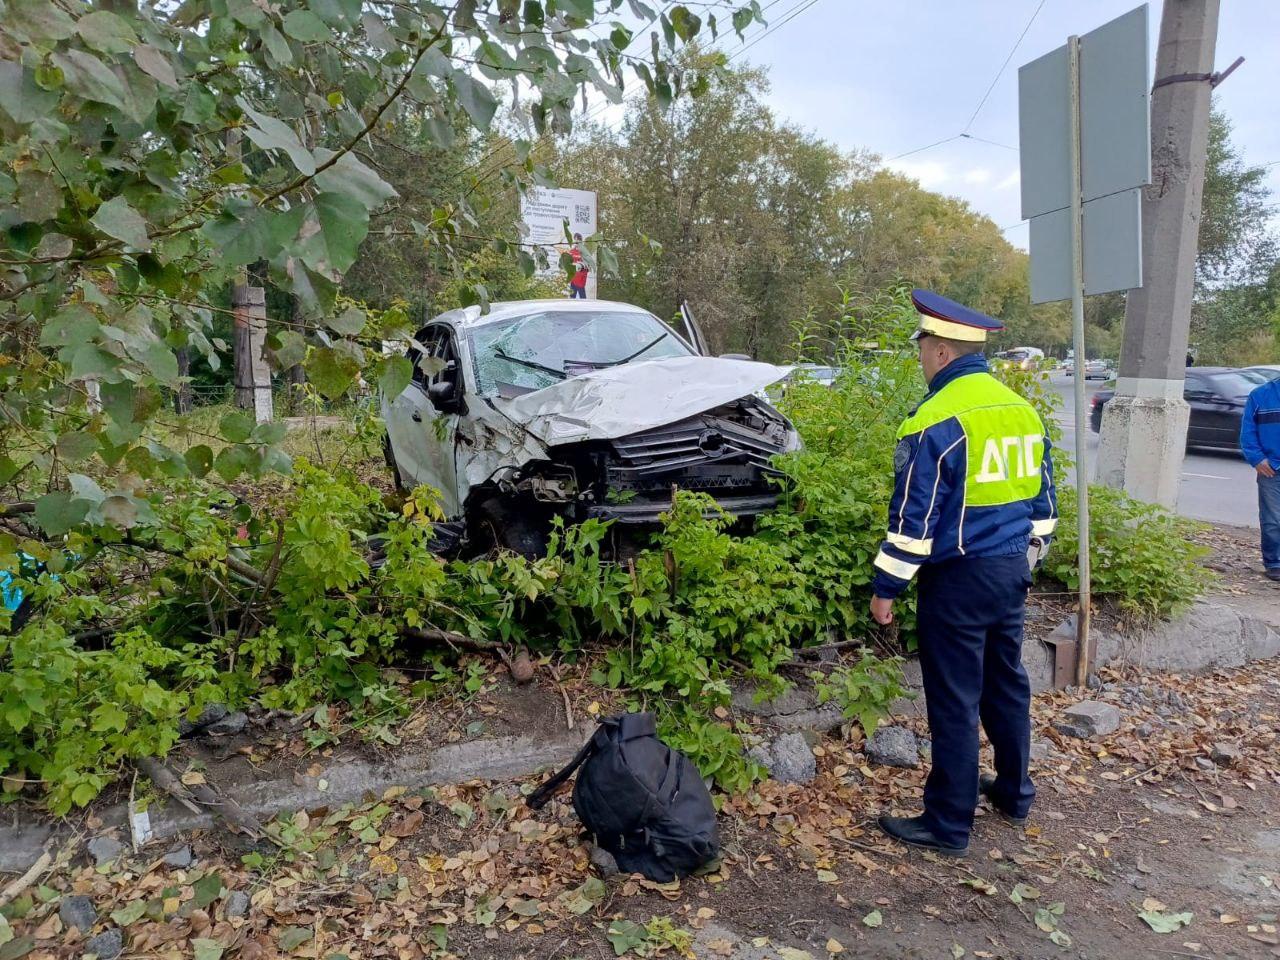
<point x="498" y="758"/>
<point x="1211" y="635"/>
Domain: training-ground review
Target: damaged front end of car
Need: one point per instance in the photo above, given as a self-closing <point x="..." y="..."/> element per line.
<point x="594" y="468"/>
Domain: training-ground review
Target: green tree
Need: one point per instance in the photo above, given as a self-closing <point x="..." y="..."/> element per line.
<point x="148" y="152"/>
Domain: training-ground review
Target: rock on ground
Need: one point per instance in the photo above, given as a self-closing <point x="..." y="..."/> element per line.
<point x="789" y="758"/>
<point x="179" y="857"/>
<point x="78" y="912"/>
<point x="106" y="945"/>
<point x="237" y="904"/>
<point x="105" y="849"/>
<point x="210" y="714"/>
<point x="894" y="747"/>
<point x="231" y="723"/>
<point x="1088" y="719"/>
<point x="1224" y="753"/>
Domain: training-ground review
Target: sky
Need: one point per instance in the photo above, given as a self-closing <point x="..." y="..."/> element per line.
<point x="893" y="77"/>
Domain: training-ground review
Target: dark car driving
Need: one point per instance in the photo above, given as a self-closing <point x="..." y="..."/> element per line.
<point x="1216" y="396"/>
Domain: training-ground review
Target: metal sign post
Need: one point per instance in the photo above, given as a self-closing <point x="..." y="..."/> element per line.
<point x="1077" y="342"/>
<point x="1084" y="130"/>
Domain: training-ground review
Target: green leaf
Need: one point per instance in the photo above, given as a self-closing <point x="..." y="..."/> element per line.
<point x="348" y="323"/>
<point x="351" y="177"/>
<point x="477" y="99"/>
<point x="205" y="949"/>
<point x="873" y="919"/>
<point x="331" y="371"/>
<point x="292" y="349"/>
<point x="58" y="512"/>
<point x="39" y="20"/>
<point x="244" y="233"/>
<point x="109" y="716"/>
<point x="130" y="913"/>
<point x="277" y="46"/>
<point x="105" y="31"/>
<point x="74" y="447"/>
<point x="626" y="935"/>
<point x="117" y="219"/>
<point x="207" y="889"/>
<point x="343" y="223"/>
<point x="306" y="26"/>
<point x="395" y="376"/>
<point x="20" y="98"/>
<point x="232" y="461"/>
<point x="1061" y="938"/>
<point x="91" y="79"/>
<point x="15" y="949"/>
<point x="1165" y="922"/>
<point x="236" y="427"/>
<point x="293" y="937"/>
<point x="742" y="18"/>
<point x="270" y="133"/>
<point x="685" y="23"/>
<point x="155" y="65"/>
<point x="199" y="460"/>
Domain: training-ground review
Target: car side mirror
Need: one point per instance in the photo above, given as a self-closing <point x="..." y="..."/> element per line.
<point x="443" y="394"/>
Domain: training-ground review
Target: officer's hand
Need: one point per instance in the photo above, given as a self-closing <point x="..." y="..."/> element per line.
<point x="1265" y="469"/>
<point x="882" y="610"/>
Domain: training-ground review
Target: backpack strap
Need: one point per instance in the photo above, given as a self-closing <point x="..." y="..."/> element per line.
<point x="540" y="796"/>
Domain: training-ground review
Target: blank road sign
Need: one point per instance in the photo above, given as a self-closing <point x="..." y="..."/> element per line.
<point x="1115" y="158"/>
<point x="1112" y="248"/>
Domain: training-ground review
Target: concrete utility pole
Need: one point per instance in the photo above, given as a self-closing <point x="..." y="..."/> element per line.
<point x="1144" y="429"/>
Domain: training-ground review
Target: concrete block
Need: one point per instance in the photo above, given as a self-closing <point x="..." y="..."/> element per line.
<point x="1088" y="719"/>
<point x="893" y="747"/>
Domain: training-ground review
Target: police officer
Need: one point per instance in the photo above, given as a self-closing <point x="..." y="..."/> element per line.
<point x="973" y="508"/>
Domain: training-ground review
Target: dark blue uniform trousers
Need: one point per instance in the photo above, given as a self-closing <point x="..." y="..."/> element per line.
<point x="970" y="619"/>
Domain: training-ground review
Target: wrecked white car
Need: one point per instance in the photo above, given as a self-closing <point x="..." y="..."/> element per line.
<point x="579" y="409"/>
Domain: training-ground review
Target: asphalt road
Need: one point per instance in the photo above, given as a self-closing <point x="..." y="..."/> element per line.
<point x="1219" y="487"/>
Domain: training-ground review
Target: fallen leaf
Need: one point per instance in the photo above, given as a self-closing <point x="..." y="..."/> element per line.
<point x="834" y="946"/>
<point x="873" y="919"/>
<point x="194" y="778"/>
<point x="957" y="951"/>
<point x="1165" y="922"/>
<point x="827" y="876"/>
<point x="383" y="864"/>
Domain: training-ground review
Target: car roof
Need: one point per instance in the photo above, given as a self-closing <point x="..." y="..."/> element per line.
<point x="1210" y="371"/>
<point x="467" y="317"/>
<point x="1264" y="366"/>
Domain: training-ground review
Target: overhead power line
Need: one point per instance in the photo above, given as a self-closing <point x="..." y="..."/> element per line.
<point x="1000" y="73"/>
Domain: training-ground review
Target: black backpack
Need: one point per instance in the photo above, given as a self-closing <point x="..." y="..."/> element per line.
<point x="644" y="802"/>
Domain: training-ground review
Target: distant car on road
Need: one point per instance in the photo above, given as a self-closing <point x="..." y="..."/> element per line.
<point x="1024" y="358"/>
<point x="1216" y="396"/>
<point x="1093" y="369"/>
<point x="1264" y="372"/>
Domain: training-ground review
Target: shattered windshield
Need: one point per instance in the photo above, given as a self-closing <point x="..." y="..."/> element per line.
<point x="538" y="349"/>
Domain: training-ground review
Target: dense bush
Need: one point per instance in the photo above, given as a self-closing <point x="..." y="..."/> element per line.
<point x="284" y="600"/>
<point x="1142" y="557"/>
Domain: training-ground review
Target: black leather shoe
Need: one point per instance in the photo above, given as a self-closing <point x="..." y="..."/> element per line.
<point x="1273" y="574"/>
<point x="913" y="833"/>
<point x="985" y="782"/>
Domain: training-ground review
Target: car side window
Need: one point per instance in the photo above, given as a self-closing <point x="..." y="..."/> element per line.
<point x="437" y="359"/>
<point x="1195" y="388"/>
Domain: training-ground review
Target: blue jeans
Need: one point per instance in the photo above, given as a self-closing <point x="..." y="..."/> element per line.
<point x="1269" y="519"/>
<point x="577" y="293"/>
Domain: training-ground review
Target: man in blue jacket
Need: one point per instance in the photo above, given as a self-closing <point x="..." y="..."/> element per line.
<point x="972" y="510"/>
<point x="1260" y="444"/>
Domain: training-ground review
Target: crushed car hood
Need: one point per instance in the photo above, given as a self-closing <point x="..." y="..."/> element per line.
<point x="617" y="401"/>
